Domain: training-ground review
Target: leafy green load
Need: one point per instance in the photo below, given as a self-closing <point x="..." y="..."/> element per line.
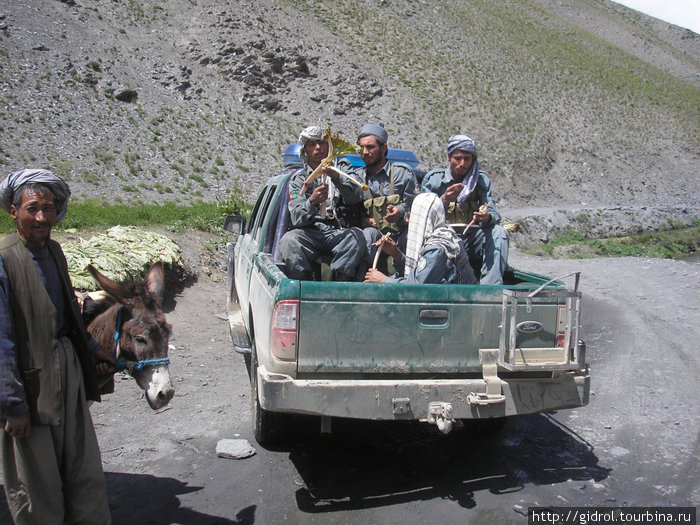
<point x="340" y="145"/>
<point x="121" y="253"/>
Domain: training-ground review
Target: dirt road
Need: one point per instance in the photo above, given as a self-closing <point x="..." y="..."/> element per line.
<point x="635" y="444"/>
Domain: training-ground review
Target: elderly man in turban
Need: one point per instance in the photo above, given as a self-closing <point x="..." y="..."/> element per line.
<point x="322" y="218"/>
<point x="392" y="187"/>
<point x="50" y="455"/>
<point x="465" y="191"/>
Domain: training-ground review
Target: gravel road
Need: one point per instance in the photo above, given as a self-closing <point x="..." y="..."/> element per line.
<point x="635" y="444"/>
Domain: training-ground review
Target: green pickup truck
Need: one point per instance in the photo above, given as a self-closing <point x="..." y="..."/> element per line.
<point x="430" y="352"/>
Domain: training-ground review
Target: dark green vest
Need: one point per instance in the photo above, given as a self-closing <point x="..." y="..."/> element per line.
<point x="34" y="319"/>
<point x="464" y="215"/>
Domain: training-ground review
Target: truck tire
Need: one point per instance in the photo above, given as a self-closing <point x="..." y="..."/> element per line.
<point x="268" y="427"/>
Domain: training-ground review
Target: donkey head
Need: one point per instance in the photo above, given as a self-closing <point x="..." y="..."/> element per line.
<point x="143" y="331"/>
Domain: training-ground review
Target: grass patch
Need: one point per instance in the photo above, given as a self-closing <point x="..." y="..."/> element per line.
<point x="95" y="214"/>
<point x="667" y="244"/>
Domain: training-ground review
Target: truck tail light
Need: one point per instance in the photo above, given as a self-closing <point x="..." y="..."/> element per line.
<point x="283" y="332"/>
<point x="561" y="327"/>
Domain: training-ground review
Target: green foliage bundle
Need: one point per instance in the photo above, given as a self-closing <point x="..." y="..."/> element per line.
<point x="121" y="253"/>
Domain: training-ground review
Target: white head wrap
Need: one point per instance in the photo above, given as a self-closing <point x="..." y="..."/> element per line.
<point x="15" y="180"/>
<point x="310" y="133"/>
<point x="426" y="225"/>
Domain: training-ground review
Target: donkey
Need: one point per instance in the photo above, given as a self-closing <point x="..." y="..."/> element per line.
<point x="129" y="323"/>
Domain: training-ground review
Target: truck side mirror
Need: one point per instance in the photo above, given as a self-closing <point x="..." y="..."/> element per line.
<point x="234" y="224"/>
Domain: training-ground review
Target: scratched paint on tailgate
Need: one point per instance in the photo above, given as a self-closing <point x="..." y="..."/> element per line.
<point x="362" y="334"/>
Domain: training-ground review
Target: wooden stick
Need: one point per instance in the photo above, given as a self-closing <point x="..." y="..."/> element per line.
<point x="355" y="182"/>
<point x="379" y="250"/>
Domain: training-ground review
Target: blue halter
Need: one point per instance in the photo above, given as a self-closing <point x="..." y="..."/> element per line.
<point x="121" y="363"/>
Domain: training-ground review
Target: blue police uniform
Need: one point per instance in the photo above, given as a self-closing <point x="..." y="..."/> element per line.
<point x="433" y="267"/>
<point x="394" y="184"/>
<point x="314" y="236"/>
<point x="487" y="244"/>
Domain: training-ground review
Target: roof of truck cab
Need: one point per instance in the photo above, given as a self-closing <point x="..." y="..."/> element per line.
<point x="291" y="157"/>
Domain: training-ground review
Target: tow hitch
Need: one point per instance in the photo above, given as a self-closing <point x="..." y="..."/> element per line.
<point x="440" y="414"/>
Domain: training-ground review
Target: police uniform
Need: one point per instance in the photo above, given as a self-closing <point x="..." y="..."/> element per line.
<point x="394" y="184"/>
<point x="433" y="267"/>
<point x="487" y="244"/>
<point x="314" y="236"/>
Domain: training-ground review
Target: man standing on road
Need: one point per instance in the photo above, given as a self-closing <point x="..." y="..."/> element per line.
<point x="50" y="456"/>
<point x="465" y="191"/>
<point x="392" y="187"/>
<point x="321" y="217"/>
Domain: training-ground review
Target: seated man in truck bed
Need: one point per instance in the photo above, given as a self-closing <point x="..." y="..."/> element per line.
<point x="321" y="217"/>
<point x="465" y="191"/>
<point x="391" y="189"/>
<point x="434" y="252"/>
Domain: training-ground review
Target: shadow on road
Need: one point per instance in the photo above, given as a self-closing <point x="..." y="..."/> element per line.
<point x="150" y="500"/>
<point x="373" y="464"/>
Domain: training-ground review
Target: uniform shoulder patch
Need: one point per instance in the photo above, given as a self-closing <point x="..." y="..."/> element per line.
<point x="422" y="263"/>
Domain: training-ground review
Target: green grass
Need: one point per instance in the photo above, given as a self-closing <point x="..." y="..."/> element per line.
<point x="95" y="215"/>
<point x="667" y="244"/>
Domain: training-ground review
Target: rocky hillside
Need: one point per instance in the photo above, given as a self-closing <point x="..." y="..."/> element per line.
<point x="573" y="104"/>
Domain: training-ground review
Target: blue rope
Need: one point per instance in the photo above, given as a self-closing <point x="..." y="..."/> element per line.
<point x="151" y="362"/>
<point x="117" y="330"/>
<point x="121" y="365"/>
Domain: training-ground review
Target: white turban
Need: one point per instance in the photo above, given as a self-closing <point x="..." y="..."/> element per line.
<point x="310" y="133"/>
<point x="54" y="183"/>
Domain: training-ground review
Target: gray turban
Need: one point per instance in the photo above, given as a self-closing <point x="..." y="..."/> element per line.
<point x="374" y="129"/>
<point x="461" y="143"/>
<point x="15" y="180"/>
<point x="310" y="133"/>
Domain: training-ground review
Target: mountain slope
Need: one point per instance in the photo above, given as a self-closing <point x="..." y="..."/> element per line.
<point x="569" y="102"/>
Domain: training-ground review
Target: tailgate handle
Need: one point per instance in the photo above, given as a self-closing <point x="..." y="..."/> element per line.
<point x="433" y="317"/>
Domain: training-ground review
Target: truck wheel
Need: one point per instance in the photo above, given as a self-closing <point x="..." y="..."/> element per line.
<point x="268" y="427"/>
<point x="248" y="366"/>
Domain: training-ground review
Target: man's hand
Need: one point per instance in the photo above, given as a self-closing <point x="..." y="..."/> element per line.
<point x="369" y="222"/>
<point x="393" y="214"/>
<point x="452" y="192"/>
<point x="389" y="247"/>
<point x="374" y="276"/>
<point x="105" y="363"/>
<point x="482" y="215"/>
<point x="333" y="174"/>
<point x="20" y="426"/>
<point x="319" y="195"/>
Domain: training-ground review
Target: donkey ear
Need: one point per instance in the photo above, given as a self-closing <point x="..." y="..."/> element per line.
<point x="155" y="282"/>
<point x="107" y="284"/>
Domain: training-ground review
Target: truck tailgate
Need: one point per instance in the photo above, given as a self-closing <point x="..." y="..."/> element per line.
<point x="400" y="328"/>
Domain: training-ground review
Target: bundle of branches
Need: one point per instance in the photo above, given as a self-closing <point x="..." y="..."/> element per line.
<point x="121" y="253"/>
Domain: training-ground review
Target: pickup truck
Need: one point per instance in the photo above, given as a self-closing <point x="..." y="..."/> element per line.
<point x="429" y="352"/>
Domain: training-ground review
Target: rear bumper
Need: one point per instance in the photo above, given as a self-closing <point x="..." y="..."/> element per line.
<point x="409" y="399"/>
